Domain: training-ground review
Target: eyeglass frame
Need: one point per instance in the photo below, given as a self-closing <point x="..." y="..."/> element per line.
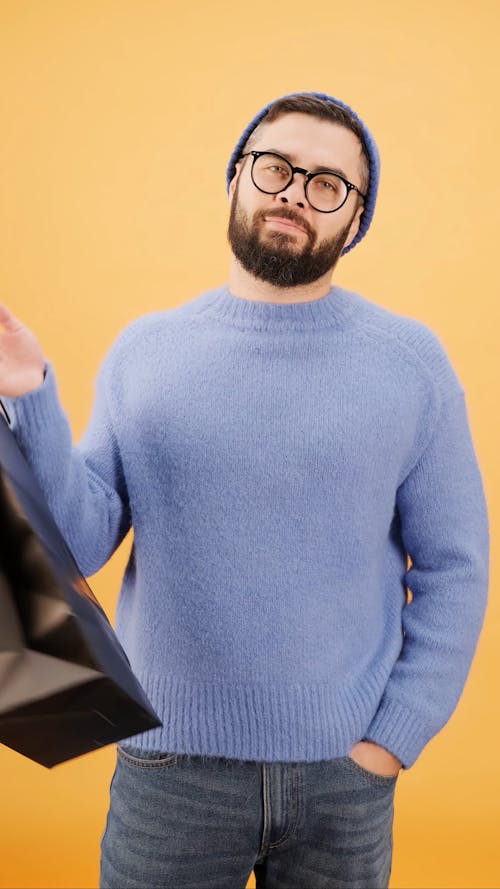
<point x="308" y="177"/>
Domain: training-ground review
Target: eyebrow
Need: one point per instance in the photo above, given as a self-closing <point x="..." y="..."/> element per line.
<point x="293" y="160"/>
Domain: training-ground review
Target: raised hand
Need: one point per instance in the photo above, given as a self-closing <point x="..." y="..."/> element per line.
<point x="22" y="362"/>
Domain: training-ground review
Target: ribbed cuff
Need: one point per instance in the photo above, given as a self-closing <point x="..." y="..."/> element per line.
<point x="401" y="731"/>
<point x="35" y="413"/>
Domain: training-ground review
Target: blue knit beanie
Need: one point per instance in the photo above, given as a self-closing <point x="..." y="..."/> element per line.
<point x="373" y="157"/>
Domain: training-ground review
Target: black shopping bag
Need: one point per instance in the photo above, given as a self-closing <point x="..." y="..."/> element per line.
<point x="66" y="686"/>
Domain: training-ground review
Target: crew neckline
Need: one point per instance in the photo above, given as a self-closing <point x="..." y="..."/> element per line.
<point x="330" y="309"/>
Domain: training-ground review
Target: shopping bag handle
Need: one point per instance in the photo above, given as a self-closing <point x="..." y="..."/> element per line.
<point x="5" y="412"/>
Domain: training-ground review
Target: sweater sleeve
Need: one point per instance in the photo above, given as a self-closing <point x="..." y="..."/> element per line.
<point x="83" y="484"/>
<point x="444" y="528"/>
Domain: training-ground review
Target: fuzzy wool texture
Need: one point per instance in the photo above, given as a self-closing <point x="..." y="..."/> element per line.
<point x="289" y="472"/>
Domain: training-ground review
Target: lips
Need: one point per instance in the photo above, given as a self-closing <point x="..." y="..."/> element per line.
<point x="285" y="223"/>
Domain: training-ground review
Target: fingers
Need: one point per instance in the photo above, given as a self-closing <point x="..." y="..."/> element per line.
<point x="8" y="320"/>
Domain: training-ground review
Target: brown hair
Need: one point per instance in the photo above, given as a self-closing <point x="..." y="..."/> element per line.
<point x="322" y="108"/>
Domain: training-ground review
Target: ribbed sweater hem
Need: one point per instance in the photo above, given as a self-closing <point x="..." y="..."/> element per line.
<point x="267" y="722"/>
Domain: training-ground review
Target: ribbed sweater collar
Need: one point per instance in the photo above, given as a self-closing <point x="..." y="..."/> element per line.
<point x="328" y="310"/>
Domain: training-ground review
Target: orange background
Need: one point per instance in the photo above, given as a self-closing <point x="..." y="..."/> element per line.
<point x="117" y="121"/>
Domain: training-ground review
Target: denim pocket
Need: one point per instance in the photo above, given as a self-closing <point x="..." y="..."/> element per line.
<point x="370" y="776"/>
<point x="146" y="759"/>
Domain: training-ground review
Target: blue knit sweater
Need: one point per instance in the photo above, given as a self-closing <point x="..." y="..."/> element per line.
<point x="278" y="463"/>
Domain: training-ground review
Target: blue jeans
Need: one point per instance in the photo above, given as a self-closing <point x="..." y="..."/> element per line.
<point x="177" y="821"/>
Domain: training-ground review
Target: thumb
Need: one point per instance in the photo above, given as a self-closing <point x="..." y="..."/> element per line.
<point x="8" y="320"/>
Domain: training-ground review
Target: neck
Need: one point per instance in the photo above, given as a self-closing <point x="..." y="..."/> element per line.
<point x="245" y="285"/>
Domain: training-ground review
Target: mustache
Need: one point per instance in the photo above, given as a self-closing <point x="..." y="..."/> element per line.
<point x="285" y="213"/>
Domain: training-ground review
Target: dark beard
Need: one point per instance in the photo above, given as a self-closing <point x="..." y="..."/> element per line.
<point x="279" y="261"/>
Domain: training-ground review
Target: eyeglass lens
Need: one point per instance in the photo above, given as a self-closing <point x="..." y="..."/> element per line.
<point x="325" y="191"/>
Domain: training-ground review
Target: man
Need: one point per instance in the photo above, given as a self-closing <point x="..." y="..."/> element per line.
<point x="281" y="447"/>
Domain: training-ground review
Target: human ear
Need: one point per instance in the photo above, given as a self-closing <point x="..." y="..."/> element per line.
<point x="353" y="230"/>
<point x="232" y="184"/>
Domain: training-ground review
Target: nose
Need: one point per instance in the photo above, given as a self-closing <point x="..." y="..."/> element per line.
<point x="294" y="193"/>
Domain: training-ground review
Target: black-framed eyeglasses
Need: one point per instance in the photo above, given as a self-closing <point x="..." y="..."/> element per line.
<point x="325" y="191"/>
